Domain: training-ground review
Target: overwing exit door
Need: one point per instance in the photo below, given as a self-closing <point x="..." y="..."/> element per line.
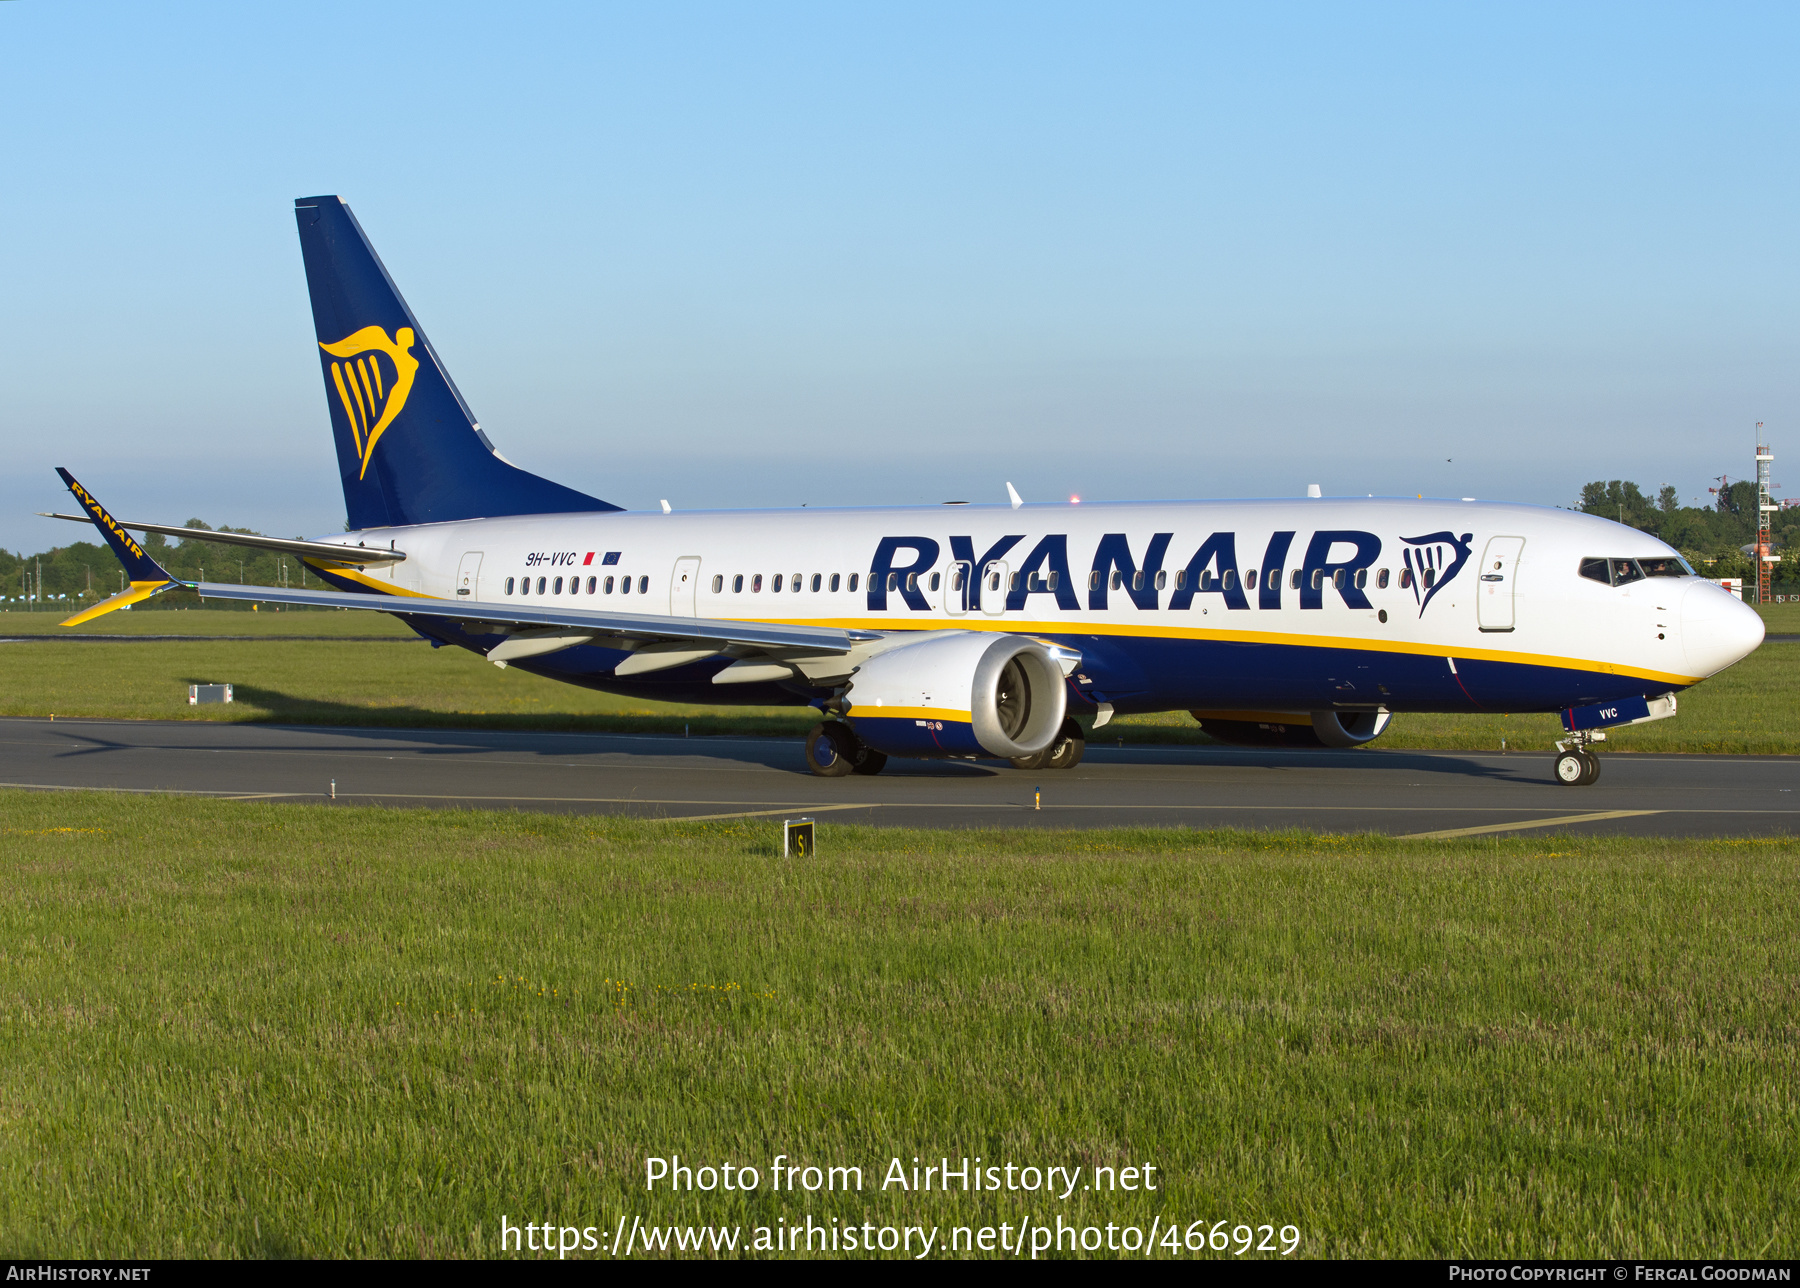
<point x="1499" y="575"/>
<point x="995" y="582"/>
<point x="684" y="588"/>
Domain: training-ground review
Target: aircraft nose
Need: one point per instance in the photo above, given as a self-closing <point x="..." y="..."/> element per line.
<point x="1717" y="628"/>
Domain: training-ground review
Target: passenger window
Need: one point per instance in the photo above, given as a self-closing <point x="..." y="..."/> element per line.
<point x="1162" y="578"/>
<point x="817" y="582"/>
<point x="1206" y="579"/>
<point x="1137" y="580"/>
<point x="624" y="585"/>
<point x="509" y="585"/>
<point x="1231" y="579"/>
<point x="936" y="581"/>
<point x="1596" y="570"/>
<point x="893" y="581"/>
<point x="1406" y="579"/>
<point x="1381" y="579"/>
<point x="1362" y="578"/>
<point x="994" y="581"/>
<point x="1055" y="577"/>
<point x="1430" y="578"/>
<point x="1625" y="571"/>
<point x="956" y="578"/>
<point x="556" y="586"/>
<point x="912" y="581"/>
<point x="834" y="583"/>
<point x="718" y="582"/>
<point x="574" y="585"/>
<point x="1015" y="582"/>
<point x="592" y="582"/>
<point x="775" y="585"/>
<point x="607" y="588"/>
<point x="540" y="585"/>
<point x="854" y="578"/>
<point x="1249" y="579"/>
<point x="737" y="584"/>
<point x="1093" y="581"/>
<point x="756" y="584"/>
<point x="1294" y="580"/>
<point x="1180" y="578"/>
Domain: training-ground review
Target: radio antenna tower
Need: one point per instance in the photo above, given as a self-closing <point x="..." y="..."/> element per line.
<point x="1765" y="560"/>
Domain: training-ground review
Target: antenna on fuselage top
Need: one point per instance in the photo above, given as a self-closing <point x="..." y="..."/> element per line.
<point x="1013" y="492"/>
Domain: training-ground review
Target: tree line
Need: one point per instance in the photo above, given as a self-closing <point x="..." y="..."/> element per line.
<point x="85" y="572"/>
<point x="1709" y="537"/>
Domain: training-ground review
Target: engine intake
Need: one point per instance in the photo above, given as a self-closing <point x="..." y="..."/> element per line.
<point x="960" y="694"/>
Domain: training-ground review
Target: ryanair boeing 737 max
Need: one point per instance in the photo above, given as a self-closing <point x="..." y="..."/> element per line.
<point x="968" y="630"/>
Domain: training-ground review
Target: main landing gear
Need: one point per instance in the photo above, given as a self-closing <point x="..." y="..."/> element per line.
<point x="1065" y="753"/>
<point x="833" y="750"/>
<point x="1576" y="766"/>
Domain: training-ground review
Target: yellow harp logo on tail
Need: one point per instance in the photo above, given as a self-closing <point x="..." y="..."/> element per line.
<point x="371" y="396"/>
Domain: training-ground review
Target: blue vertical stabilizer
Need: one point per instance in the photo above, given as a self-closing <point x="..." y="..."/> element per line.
<point x="408" y="448"/>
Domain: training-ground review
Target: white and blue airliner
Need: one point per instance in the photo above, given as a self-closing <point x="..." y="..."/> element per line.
<point x="1000" y="631"/>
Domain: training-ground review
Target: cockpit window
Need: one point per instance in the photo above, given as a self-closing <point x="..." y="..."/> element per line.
<point x="1620" y="572"/>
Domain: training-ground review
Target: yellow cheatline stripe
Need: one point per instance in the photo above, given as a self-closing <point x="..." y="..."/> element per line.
<point x="337" y="375"/>
<point x="864" y="711"/>
<point x="1074" y="627"/>
<point x="320" y="564"/>
<point x="140" y="590"/>
<point x="1448" y="833"/>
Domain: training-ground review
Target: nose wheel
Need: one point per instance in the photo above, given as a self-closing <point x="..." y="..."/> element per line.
<point x="1576" y="766"/>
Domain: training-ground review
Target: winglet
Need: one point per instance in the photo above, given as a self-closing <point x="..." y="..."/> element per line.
<point x="147" y="576"/>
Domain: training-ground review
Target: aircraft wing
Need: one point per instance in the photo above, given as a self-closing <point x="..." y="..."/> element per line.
<point x="333" y="550"/>
<point x="556" y="623"/>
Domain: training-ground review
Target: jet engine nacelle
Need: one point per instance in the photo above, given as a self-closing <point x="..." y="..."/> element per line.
<point x="1293" y="728"/>
<point x="960" y="694"/>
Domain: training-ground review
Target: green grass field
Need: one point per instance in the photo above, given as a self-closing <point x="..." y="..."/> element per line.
<point x="1754" y="707"/>
<point x="240" y="1030"/>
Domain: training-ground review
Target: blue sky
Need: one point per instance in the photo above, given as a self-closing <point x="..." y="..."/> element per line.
<point x="764" y="256"/>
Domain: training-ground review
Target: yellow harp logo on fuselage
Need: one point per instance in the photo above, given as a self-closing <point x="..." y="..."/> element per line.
<point x="372" y="397"/>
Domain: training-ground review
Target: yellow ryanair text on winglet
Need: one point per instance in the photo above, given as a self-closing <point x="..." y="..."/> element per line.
<point x="106" y="520"/>
<point x="371" y="397"/>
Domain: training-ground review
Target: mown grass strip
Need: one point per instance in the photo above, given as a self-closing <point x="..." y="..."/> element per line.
<point x="229" y="1028"/>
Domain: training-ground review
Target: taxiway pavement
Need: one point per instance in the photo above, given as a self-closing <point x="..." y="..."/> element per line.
<point x="1399" y="792"/>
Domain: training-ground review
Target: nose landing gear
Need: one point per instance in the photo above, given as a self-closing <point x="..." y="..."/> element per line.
<point x="1576" y="766"/>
